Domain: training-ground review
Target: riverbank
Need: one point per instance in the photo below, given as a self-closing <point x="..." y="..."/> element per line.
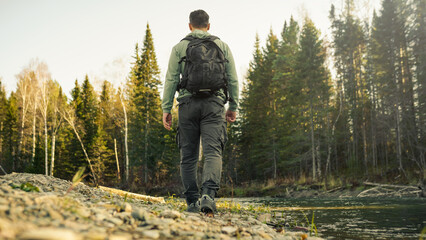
<point x="365" y="189"/>
<point x="38" y="207"/>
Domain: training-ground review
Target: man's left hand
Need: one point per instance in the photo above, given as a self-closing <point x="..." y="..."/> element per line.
<point x="167" y="121"/>
<point x="231" y="116"/>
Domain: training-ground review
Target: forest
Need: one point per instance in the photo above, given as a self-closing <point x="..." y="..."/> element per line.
<point x="312" y="110"/>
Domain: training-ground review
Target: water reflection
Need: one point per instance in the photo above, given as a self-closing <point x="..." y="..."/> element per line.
<point x="356" y="218"/>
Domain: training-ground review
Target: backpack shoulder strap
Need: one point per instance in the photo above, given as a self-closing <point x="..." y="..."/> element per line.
<point x="212" y="38"/>
<point x="188" y="38"/>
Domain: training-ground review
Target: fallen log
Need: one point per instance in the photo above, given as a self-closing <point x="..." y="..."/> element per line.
<point x="389" y="190"/>
<point x="133" y="195"/>
<point x="389" y="185"/>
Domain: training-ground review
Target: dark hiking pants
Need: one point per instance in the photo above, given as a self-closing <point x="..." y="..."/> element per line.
<point x="205" y="118"/>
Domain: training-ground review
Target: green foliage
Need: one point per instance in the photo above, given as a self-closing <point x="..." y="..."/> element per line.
<point x="27" y="187"/>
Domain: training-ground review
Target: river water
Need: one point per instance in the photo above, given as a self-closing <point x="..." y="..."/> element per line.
<point x="352" y="218"/>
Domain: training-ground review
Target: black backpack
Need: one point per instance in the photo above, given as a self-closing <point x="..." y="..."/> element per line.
<point x="204" y="73"/>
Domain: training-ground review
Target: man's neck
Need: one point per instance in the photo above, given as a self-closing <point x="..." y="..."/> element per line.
<point x="201" y="29"/>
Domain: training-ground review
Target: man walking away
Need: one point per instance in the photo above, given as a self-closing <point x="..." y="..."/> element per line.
<point x="202" y="69"/>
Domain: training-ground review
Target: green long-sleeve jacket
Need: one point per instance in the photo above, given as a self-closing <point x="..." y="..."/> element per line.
<point x="175" y="70"/>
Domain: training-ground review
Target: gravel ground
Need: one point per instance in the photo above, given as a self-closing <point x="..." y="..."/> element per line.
<point x="91" y="213"/>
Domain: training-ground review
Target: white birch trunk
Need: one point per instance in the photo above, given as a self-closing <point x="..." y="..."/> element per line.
<point x="34" y="133"/>
<point x="116" y="159"/>
<point x="70" y="120"/>
<point x="52" y="157"/>
<point x="46" y="155"/>
<point x="125" y="138"/>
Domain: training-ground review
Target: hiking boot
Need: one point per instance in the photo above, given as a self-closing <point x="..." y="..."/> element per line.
<point x="207" y="204"/>
<point x="194" y="207"/>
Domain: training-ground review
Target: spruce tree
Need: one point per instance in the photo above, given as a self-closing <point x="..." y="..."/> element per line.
<point x="3" y="111"/>
<point x="145" y="107"/>
<point x="313" y="75"/>
<point x="349" y="42"/>
<point x="11" y="133"/>
<point x="106" y="133"/>
<point x="286" y="97"/>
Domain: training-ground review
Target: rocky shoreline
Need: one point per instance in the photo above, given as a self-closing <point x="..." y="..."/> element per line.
<point x="35" y="206"/>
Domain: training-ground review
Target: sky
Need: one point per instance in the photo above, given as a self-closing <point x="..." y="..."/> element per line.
<point x="98" y="37"/>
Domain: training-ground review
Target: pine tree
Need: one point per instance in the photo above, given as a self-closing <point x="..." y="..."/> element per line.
<point x="390" y="57"/>
<point x="349" y="51"/>
<point x="11" y="133"/>
<point x="3" y="112"/>
<point x="314" y="77"/>
<point x="420" y="74"/>
<point x="145" y="103"/>
<point x="286" y="97"/>
<point x="106" y="133"/>
<point x="248" y="112"/>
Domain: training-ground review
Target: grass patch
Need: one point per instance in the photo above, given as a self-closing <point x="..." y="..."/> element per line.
<point x="27" y="187"/>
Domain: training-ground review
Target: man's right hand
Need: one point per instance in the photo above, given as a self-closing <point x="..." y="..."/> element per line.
<point x="167" y="121"/>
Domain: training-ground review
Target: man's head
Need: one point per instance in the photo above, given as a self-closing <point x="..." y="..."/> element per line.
<point x="199" y="19"/>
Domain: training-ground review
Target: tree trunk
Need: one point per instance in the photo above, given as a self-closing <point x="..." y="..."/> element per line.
<point x="145" y="171"/>
<point x="1" y="141"/>
<point x="126" y="149"/>
<point x="116" y="159"/>
<point x="52" y="157"/>
<point x="21" y="137"/>
<point x="85" y="154"/>
<point x="46" y="162"/>
<point x="70" y="120"/>
<point x="364" y="140"/>
<point x="34" y="133"/>
<point x="314" y="170"/>
<point x="18" y="155"/>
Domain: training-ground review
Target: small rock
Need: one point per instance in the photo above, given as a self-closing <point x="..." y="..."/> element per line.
<point x="121" y="236"/>
<point x="47" y="199"/>
<point x="123" y="215"/>
<point x="100" y="217"/>
<point x="153" y="234"/>
<point x="264" y="235"/>
<point x="48" y="234"/>
<point x="224" y="237"/>
<point x="95" y="236"/>
<point x="54" y="214"/>
<point x="3" y="208"/>
<point x="125" y="207"/>
<point x="230" y="230"/>
<point x="83" y="212"/>
<point x="170" y="214"/>
<point x="140" y="214"/>
<point x="6" y="229"/>
<point x="115" y="221"/>
<point x="266" y="217"/>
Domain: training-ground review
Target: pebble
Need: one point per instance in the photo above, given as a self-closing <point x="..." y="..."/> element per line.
<point x="126" y="207"/>
<point x="115" y="221"/>
<point x="139" y="214"/>
<point x="153" y="234"/>
<point x="230" y="230"/>
<point x="170" y="214"/>
<point x="121" y="236"/>
<point x="265" y="217"/>
<point x="48" y="234"/>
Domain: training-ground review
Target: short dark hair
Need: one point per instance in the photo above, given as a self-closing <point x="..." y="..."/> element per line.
<point x="199" y="19"/>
